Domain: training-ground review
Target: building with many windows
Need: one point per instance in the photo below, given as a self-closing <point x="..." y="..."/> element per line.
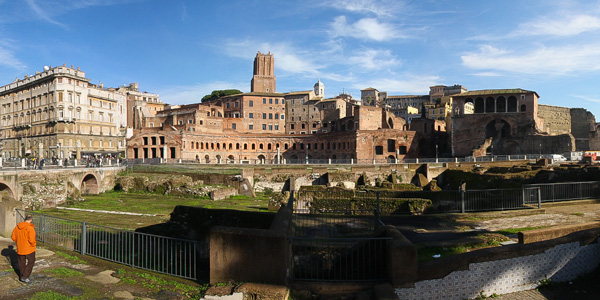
<point x="59" y="113"/>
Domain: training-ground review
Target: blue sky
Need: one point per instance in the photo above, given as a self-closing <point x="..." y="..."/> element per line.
<point x="185" y="49"/>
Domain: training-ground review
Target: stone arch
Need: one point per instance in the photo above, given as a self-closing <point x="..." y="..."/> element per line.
<point x="391" y="159"/>
<point x="230" y="159"/>
<point x="89" y="184"/>
<point x="6" y="191"/>
<point x="261" y="159"/>
<point x="500" y="104"/>
<point x="497" y="129"/>
<point x="468" y="100"/>
<point x="206" y="158"/>
<point x="479" y="105"/>
<point x="391" y="123"/>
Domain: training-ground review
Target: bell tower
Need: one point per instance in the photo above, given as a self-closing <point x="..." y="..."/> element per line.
<point x="264" y="73"/>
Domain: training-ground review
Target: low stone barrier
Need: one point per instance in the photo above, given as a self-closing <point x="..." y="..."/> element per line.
<point x="544" y="234"/>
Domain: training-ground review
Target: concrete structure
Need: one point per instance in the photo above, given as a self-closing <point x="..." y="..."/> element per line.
<point x="59" y="113"/>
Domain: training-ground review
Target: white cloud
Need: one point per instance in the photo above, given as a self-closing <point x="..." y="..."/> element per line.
<point x="49" y="10"/>
<point x="366" y="29"/>
<point x="194" y="93"/>
<point x="8" y="58"/>
<point x="372" y="59"/>
<point x="586" y="98"/>
<point x="379" y="8"/>
<point x="557" y="60"/>
<point x="560" y="26"/>
<point x="43" y="13"/>
<point x="487" y="74"/>
<point x="286" y="58"/>
<point x="418" y="85"/>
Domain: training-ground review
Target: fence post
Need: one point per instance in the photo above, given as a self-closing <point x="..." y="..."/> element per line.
<point x="377" y="212"/>
<point x="539" y="197"/>
<point x="462" y="200"/>
<point x="42" y="227"/>
<point x="132" y="235"/>
<point x="83" y="237"/>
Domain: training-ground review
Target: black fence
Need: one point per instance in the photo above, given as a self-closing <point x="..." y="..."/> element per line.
<point x="411" y="202"/>
<point x="338" y="259"/>
<point x="177" y="257"/>
<point x="566" y="191"/>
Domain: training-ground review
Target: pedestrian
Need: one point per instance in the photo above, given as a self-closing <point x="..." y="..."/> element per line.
<point x="24" y="236"/>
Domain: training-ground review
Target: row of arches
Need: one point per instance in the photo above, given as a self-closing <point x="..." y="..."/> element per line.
<point x="262" y="158"/>
<point x="498" y="104"/>
<point x="272" y="146"/>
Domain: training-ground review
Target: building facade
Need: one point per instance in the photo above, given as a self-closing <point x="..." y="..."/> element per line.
<point x="58" y="113"/>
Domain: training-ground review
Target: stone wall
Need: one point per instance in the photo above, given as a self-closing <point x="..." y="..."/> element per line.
<point x="557" y="119"/>
<point x="583" y="122"/>
<point x="595" y="137"/>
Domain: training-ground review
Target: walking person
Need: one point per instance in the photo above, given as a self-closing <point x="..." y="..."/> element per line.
<point x="24" y="236"/>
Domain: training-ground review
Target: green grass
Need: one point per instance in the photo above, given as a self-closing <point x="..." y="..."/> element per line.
<point x="187" y="169"/>
<point x="155" y="283"/>
<point x="486" y="240"/>
<point x="146" y="203"/>
<point x="70" y="257"/>
<point x="50" y="295"/>
<point x="65" y="272"/>
<point x="517" y="230"/>
<point x="577" y="214"/>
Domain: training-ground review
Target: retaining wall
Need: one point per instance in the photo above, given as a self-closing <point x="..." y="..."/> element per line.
<point x="506" y="269"/>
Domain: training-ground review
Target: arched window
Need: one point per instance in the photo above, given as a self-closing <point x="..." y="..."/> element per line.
<point x="479" y="106"/>
<point x="512" y="104"/>
<point x="500" y="104"/>
<point x="523" y="107"/>
<point x="489" y="105"/>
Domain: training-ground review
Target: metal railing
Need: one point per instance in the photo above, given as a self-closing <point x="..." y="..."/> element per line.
<point x="350" y="223"/>
<point x="565" y="191"/>
<point x="339" y="259"/>
<point x="397" y="202"/>
<point x="334" y="161"/>
<point x="160" y="254"/>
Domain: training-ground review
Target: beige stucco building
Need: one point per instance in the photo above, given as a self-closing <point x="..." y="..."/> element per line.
<point x="59" y="113"/>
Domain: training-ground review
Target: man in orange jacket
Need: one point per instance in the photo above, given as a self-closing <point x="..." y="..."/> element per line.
<point x="24" y="236"/>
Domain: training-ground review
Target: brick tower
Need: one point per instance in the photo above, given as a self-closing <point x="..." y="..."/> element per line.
<point x="264" y="73"/>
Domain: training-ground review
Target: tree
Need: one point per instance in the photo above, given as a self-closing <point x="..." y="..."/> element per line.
<point x="216" y="94"/>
